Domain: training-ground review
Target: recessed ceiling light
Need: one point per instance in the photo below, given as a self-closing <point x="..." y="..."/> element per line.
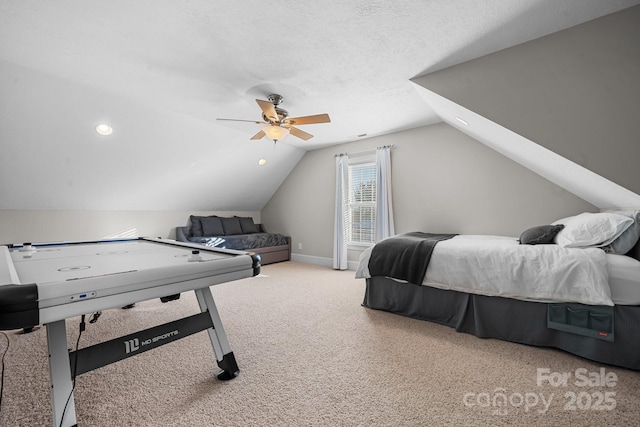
<point x="104" y="129"/>
<point x="262" y="162"/>
<point x="464" y="122"/>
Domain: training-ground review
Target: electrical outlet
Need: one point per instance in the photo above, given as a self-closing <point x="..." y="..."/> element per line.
<point x="300" y="246"/>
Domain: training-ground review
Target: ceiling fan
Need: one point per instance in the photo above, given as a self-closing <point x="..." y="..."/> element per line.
<point x="277" y="122"/>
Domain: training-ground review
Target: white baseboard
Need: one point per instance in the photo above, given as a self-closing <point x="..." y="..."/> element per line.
<point x="321" y="261"/>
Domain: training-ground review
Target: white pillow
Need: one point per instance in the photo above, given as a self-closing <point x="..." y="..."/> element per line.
<point x="592" y="229"/>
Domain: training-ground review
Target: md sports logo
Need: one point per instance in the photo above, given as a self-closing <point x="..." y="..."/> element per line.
<point x="135" y="344"/>
<point x="132" y="345"/>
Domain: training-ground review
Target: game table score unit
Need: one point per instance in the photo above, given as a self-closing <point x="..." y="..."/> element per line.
<point x="47" y="283"/>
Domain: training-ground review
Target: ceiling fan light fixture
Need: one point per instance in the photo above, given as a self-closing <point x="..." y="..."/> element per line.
<point x="275" y="132"/>
<point x="277" y="124"/>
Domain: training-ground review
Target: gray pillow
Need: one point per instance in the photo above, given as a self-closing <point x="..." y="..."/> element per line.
<point x="196" y="226"/>
<point x="212" y="226"/>
<point x="247" y="225"/>
<point x="628" y="239"/>
<point x="540" y="235"/>
<point x="231" y="226"/>
<point x="635" y="251"/>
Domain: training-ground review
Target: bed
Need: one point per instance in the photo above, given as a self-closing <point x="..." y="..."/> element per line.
<point x="573" y="285"/>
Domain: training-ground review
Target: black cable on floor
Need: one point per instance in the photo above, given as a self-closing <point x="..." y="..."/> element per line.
<point x="2" y="375"/>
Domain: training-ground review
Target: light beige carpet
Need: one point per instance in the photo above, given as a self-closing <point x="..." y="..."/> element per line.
<point x="311" y="355"/>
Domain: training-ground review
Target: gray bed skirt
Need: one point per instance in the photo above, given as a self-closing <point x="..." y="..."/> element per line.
<point x="506" y="319"/>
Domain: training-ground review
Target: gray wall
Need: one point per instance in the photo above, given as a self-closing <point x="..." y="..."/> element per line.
<point x="575" y="92"/>
<point x="443" y="181"/>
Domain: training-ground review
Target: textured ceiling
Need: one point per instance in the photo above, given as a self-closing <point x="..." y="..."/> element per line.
<point x="161" y="71"/>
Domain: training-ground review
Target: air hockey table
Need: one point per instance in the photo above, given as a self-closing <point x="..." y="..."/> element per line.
<point x="47" y="283"/>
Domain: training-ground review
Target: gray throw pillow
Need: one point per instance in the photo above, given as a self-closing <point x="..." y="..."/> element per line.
<point x="212" y="226"/>
<point x="231" y="226"/>
<point x="196" y="226"/>
<point x="540" y="235"/>
<point x="247" y="225"/>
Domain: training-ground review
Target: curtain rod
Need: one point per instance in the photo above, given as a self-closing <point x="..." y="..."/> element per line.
<point x="363" y="151"/>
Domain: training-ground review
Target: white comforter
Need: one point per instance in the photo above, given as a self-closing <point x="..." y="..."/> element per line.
<point x="500" y="266"/>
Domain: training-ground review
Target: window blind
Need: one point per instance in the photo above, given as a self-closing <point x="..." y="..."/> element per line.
<point x="362" y="202"/>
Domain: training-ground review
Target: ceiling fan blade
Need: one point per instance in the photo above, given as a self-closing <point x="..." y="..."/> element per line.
<point x="239" y="120"/>
<point x="299" y="133"/>
<point x="258" y="135"/>
<point x="268" y="110"/>
<point x="308" y="120"/>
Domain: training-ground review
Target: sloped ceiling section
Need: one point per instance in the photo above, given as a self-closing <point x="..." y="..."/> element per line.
<point x="161" y="71"/>
<point x="574" y="178"/>
<point x="156" y="159"/>
<point x="575" y="93"/>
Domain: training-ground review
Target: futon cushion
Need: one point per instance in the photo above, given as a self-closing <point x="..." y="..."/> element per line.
<point x="247" y="225"/>
<point x="231" y="226"/>
<point x="212" y="226"/>
<point x="540" y="235"/>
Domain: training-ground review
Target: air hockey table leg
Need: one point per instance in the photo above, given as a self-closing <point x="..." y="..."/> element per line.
<point x="224" y="356"/>
<point x="60" y="372"/>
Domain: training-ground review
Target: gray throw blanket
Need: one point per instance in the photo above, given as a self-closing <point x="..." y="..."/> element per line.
<point x="405" y="256"/>
<point x="242" y="242"/>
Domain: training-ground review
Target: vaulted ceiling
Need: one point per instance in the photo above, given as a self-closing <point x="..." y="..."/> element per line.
<point x="161" y="71"/>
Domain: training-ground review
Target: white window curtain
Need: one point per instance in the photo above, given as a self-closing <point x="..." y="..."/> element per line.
<point x="340" y="232"/>
<point x="384" y="205"/>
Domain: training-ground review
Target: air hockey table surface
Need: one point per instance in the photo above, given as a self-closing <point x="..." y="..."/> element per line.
<point x="61" y="280"/>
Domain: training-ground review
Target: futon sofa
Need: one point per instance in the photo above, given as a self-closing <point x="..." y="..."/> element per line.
<point x="239" y="233"/>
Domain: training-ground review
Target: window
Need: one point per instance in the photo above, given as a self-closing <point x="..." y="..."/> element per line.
<point x="361" y="218"/>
